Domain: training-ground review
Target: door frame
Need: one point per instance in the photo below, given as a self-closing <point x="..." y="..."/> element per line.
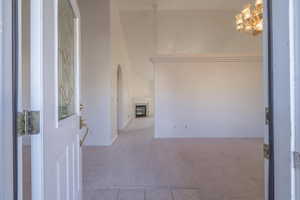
<point x="269" y="62"/>
<point x="8" y="82"/>
<point x="295" y="81"/>
<point x="7" y="170"/>
<point x="282" y="98"/>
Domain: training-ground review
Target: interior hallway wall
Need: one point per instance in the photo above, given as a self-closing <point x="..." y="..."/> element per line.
<point x="96" y="69"/>
<point x="103" y="50"/>
<point x="120" y="59"/>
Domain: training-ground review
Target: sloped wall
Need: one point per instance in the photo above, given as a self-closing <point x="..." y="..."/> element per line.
<point x="203" y="32"/>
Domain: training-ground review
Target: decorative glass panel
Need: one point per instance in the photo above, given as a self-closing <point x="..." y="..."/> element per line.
<point x="66" y="60"/>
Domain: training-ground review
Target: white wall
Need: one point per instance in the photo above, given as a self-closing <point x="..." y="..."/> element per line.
<point x="196" y="93"/>
<point x="167" y="32"/>
<point x="209" y="99"/>
<point x="139" y="32"/>
<point x="103" y="50"/>
<point x="120" y="59"/>
<point x="96" y="69"/>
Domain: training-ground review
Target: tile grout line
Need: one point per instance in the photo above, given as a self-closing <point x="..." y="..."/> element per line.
<point x="118" y="194"/>
<point x="147" y="187"/>
<point x="172" y="195"/>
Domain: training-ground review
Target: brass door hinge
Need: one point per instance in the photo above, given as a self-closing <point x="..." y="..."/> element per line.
<point x="267" y="151"/>
<point x="267" y="116"/>
<point x="297" y="160"/>
<point x="28" y="123"/>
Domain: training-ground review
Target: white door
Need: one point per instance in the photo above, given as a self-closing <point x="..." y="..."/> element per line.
<point x="50" y="84"/>
<point x="60" y="96"/>
<point x="47" y="57"/>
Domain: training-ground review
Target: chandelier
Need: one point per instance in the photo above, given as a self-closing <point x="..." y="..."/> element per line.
<point x="250" y="20"/>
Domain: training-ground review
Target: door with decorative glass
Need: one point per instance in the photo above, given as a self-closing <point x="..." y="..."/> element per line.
<point x="49" y="163"/>
<point x="61" y="143"/>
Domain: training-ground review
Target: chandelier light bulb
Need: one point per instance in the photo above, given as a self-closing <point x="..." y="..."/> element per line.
<point x="239" y="19"/>
<point x="247" y="12"/>
<point x="259" y="26"/>
<point x="250" y="19"/>
<point x="259" y="3"/>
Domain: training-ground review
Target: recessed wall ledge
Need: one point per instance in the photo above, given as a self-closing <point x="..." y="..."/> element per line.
<point x="201" y="58"/>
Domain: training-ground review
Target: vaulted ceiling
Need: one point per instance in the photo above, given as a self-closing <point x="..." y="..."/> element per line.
<point x="226" y="5"/>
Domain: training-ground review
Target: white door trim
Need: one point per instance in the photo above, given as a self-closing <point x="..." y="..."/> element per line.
<point x="281" y="88"/>
<point x="6" y="118"/>
<point x="36" y="85"/>
<point x="61" y="165"/>
<point x="282" y="108"/>
<point x="295" y="86"/>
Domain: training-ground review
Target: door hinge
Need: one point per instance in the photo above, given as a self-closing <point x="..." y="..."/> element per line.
<point x="28" y="123"/>
<point x="296" y="160"/>
<point x="267" y="116"/>
<point x="267" y="151"/>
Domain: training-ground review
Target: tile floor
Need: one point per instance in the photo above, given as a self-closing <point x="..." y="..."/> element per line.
<point x="158" y="194"/>
<point x="138" y="167"/>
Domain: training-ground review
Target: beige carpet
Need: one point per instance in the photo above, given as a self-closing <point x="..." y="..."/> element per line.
<point x="138" y="167"/>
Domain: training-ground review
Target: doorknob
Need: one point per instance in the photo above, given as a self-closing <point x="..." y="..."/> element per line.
<point x="81" y="107"/>
<point x="82" y="123"/>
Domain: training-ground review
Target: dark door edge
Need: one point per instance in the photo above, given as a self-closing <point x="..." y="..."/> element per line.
<point x="271" y="177"/>
<point x="15" y="48"/>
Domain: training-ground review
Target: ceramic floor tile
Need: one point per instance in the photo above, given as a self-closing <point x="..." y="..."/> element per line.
<point x="181" y="194"/>
<point x="220" y="168"/>
<point x="158" y="194"/>
<point x="132" y="194"/>
<point x="105" y="194"/>
<point x="87" y="194"/>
